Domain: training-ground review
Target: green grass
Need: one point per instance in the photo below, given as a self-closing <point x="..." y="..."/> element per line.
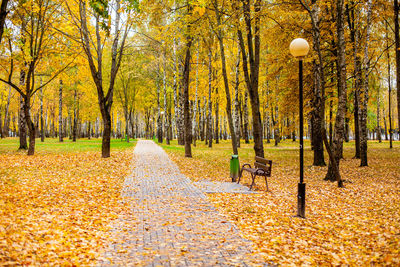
<point x="286" y="150"/>
<point x="52" y="145"/>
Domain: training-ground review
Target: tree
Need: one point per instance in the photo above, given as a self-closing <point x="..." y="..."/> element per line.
<point x="397" y="47"/>
<point x="318" y="102"/>
<point x="352" y="19"/>
<point x="38" y="39"/>
<point x="251" y="58"/>
<point x="105" y="97"/>
<point x="225" y="76"/>
<point x="365" y="92"/>
<point x="185" y="88"/>
<point x="337" y="146"/>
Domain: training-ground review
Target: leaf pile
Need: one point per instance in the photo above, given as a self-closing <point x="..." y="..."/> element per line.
<point x="57" y="208"/>
<point x="356" y="225"/>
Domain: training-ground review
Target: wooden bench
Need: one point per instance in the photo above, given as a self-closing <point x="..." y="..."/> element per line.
<point x="262" y="167"/>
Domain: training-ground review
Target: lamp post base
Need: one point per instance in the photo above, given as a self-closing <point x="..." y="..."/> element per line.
<point x="301" y="200"/>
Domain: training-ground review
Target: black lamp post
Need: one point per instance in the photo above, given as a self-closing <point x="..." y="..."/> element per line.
<point x="299" y="48"/>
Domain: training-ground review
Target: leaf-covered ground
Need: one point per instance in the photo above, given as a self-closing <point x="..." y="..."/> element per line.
<point x="356" y="225"/>
<point x="56" y="207"/>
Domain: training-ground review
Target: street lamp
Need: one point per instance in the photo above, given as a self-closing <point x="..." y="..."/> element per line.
<point x="299" y="48"/>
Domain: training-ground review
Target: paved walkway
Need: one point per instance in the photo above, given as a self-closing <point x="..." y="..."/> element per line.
<point x="223" y="187"/>
<point x="174" y="224"/>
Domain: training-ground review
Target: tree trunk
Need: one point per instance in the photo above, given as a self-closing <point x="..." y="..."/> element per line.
<point x="41" y="114"/>
<point x="389" y="89"/>
<point x="251" y="78"/>
<point x="246" y="119"/>
<point x="357" y="122"/>
<point x="177" y="98"/>
<point x="318" y="102"/>
<point x="216" y="128"/>
<point x="159" y="118"/>
<point x="237" y="104"/>
<point x="365" y="94"/>
<point x="166" y="111"/>
<point x="185" y="87"/>
<point x="226" y="83"/>
<point x="181" y="121"/>
<point x="354" y="37"/>
<point x="384" y="122"/>
<point x="75" y="121"/>
<point x="342" y="93"/>
<point x="268" y="115"/>
<point x="31" y="126"/>
<point x="397" y="46"/>
<point x="106" y="141"/>
<point x="3" y="14"/>
<point x="335" y="168"/>
<point x="346" y="130"/>
<point x="195" y="104"/>
<point x="294" y="130"/>
<point x="209" y="117"/>
<point x="317" y="120"/>
<point x="60" y="121"/>
<point x="22" y="125"/>
<point x="330" y="122"/>
<point x="89" y="130"/>
<point x="378" y="116"/>
<point x="201" y="121"/>
<point x="128" y="119"/>
<point x="6" y="127"/>
<point x="277" y="136"/>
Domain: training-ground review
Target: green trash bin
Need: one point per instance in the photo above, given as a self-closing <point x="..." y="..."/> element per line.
<point x="234" y="167"/>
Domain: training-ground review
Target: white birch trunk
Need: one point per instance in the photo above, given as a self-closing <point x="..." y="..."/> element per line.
<point x="60" y="120"/>
<point x="194" y="123"/>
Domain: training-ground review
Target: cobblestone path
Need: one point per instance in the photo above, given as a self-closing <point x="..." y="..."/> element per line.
<point x="174" y="223"/>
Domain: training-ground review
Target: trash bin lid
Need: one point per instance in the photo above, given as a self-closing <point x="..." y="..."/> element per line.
<point x="235" y="156"/>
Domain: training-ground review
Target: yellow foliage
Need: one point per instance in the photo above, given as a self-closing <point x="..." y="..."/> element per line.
<point x="56" y="209"/>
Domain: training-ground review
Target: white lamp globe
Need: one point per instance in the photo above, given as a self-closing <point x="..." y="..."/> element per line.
<point x="299" y="47"/>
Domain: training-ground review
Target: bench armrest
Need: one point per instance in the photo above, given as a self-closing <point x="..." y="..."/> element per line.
<point x="246" y="165"/>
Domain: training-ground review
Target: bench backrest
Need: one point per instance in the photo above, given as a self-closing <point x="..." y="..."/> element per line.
<point x="264" y="164"/>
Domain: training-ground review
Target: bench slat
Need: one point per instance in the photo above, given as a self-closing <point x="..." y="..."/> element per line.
<point x="263" y="161"/>
<point x="267" y="169"/>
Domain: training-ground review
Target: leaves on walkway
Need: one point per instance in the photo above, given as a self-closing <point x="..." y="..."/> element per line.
<point x="56" y="208"/>
<point x="357" y="225"/>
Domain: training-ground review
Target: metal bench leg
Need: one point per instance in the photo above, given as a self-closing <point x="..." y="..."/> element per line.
<point x="253" y="177"/>
<point x="266" y="182"/>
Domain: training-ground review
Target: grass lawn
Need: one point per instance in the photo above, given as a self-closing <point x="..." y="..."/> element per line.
<point x="56" y="206"/>
<point x="52" y="145"/>
<point x="358" y="224"/>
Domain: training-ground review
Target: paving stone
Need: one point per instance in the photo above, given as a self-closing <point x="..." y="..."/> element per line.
<point x="174" y="223"/>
